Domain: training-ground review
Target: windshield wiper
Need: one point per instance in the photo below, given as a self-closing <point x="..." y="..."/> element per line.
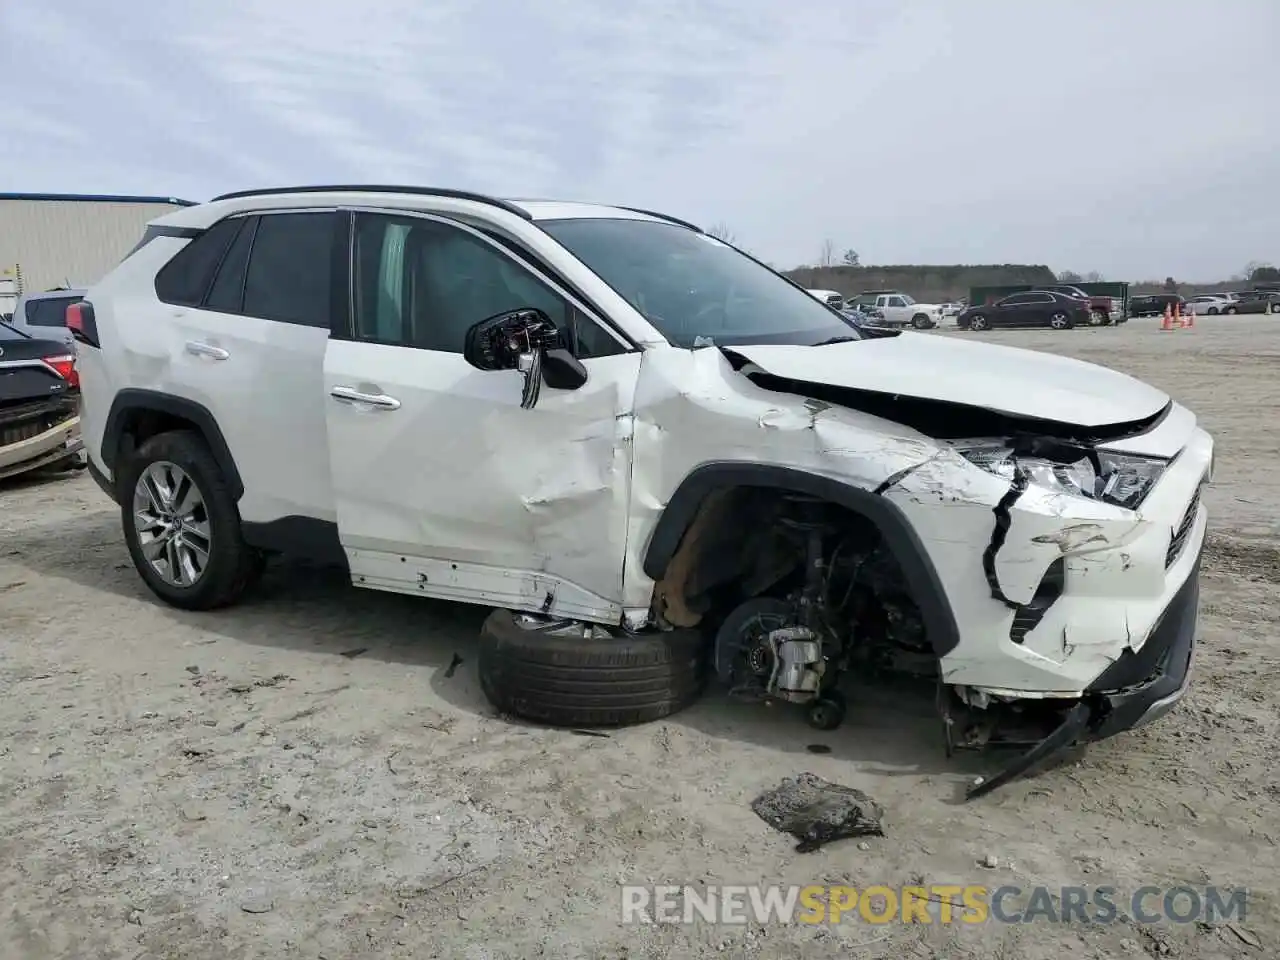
<point x="830" y="340"/>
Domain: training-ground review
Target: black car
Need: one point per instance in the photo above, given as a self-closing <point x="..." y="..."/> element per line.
<point x="1036" y="308"/>
<point x="1254" y="301"/>
<point x="1153" y="305"/>
<point x="39" y="404"/>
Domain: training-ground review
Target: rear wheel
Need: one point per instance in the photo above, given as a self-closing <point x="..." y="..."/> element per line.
<point x="567" y="674"/>
<point x="182" y="526"/>
<point x="1097" y="318"/>
<point x="978" y="322"/>
<point x="1230" y="311"/>
<point x="1275" y="308"/>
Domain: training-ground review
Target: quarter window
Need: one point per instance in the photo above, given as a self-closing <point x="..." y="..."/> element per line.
<point x="227" y="293"/>
<point x="184" y="279"/>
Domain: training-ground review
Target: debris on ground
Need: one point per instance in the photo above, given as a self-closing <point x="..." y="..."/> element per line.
<point x="817" y="812"/>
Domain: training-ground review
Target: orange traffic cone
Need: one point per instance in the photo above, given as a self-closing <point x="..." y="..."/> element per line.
<point x="1167" y="322"/>
<point x="1191" y="315"/>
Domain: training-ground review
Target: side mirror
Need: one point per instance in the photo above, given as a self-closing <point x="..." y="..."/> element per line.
<point x="524" y="340"/>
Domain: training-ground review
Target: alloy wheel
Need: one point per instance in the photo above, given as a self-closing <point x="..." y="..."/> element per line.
<point x="1058" y="321"/>
<point x="172" y="523"/>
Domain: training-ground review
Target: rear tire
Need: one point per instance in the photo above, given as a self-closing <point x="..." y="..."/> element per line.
<point x="1275" y="308"/>
<point x="978" y="322"/>
<point x="1097" y="318"/>
<point x="572" y="681"/>
<point x="232" y="566"/>
<point x="1231" y="311"/>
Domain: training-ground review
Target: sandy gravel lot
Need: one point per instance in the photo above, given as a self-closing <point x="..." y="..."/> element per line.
<point x="306" y="776"/>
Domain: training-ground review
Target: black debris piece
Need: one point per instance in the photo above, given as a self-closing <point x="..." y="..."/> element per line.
<point x="352" y="654"/>
<point x="454" y="664"/>
<point x="817" y="812"/>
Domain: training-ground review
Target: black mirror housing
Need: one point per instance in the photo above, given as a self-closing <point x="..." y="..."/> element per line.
<point x="500" y="342"/>
<point x="561" y="370"/>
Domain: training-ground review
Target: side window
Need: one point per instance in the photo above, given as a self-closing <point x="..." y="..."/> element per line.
<point x="421" y="283"/>
<point x="184" y="279"/>
<point x="1015" y="300"/>
<point x="1041" y="298"/>
<point x="227" y="293"/>
<point x="290" y="268"/>
<point x="897" y="302"/>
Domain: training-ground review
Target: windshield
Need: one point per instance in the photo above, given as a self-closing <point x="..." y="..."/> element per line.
<point x="694" y="289"/>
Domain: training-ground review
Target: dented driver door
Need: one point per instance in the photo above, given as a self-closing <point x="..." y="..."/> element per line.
<point x="444" y="485"/>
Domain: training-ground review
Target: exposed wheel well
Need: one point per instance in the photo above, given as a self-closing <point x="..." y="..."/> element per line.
<point x="723" y="533"/>
<point x="138" y="415"/>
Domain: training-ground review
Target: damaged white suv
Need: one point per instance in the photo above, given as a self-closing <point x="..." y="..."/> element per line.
<point x="649" y="451"/>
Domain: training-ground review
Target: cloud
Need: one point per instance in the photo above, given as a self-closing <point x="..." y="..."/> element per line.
<point x="1130" y="138"/>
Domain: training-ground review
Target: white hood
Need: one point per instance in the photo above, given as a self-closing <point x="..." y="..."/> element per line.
<point x="1009" y="380"/>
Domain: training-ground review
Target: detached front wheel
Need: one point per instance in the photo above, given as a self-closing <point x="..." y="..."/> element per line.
<point x="568" y="674"/>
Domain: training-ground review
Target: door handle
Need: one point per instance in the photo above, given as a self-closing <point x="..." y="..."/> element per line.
<point x="199" y="348"/>
<point x="352" y="395"/>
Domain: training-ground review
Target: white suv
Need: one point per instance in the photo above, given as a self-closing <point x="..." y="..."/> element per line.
<point x="648" y="450"/>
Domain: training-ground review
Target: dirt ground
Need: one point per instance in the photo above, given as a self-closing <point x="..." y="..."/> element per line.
<point x="312" y="774"/>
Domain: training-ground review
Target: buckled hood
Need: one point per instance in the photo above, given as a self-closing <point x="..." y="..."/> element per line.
<point x="1007" y="380"/>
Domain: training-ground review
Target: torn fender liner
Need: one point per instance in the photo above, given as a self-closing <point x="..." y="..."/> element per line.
<point x="818" y="812"/>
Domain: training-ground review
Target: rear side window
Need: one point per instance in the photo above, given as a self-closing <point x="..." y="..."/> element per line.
<point x="49" y="312"/>
<point x="185" y="278"/>
<point x="290" y="268"/>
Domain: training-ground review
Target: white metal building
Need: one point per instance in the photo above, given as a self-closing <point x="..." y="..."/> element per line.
<point x="70" y="240"/>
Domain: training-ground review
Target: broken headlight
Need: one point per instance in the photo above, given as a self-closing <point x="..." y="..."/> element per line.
<point x="1121" y="479"/>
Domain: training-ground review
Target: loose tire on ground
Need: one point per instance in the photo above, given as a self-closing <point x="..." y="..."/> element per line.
<point x="568" y="681"/>
<point x="233" y="566"/>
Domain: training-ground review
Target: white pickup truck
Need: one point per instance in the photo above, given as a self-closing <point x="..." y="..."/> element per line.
<point x="901" y="310"/>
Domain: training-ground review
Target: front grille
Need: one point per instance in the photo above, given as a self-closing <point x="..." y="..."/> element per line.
<point x="1182" y="532"/>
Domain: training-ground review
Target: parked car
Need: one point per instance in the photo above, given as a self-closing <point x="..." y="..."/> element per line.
<point x="951" y="309"/>
<point x="901" y="309"/>
<point x="1102" y="310"/>
<point x="831" y="298"/>
<point x="1254" y="301"/>
<point x="1153" y="305"/>
<point x="39" y="404"/>
<point x="1034" y="308"/>
<point x="1210" y="304"/>
<point x="658" y="457"/>
<point x="44" y="315"/>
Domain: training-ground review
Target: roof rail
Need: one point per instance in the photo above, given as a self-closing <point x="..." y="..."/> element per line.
<point x="97" y="198"/>
<point x="376" y="188"/>
<point x="662" y="216"/>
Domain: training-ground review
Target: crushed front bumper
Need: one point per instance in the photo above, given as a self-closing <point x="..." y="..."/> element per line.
<point x="1141" y="687"/>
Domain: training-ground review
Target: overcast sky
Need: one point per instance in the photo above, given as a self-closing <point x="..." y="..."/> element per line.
<point x="1139" y="138"/>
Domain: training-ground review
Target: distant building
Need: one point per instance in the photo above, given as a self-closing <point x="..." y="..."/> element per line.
<point x="54" y="240"/>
